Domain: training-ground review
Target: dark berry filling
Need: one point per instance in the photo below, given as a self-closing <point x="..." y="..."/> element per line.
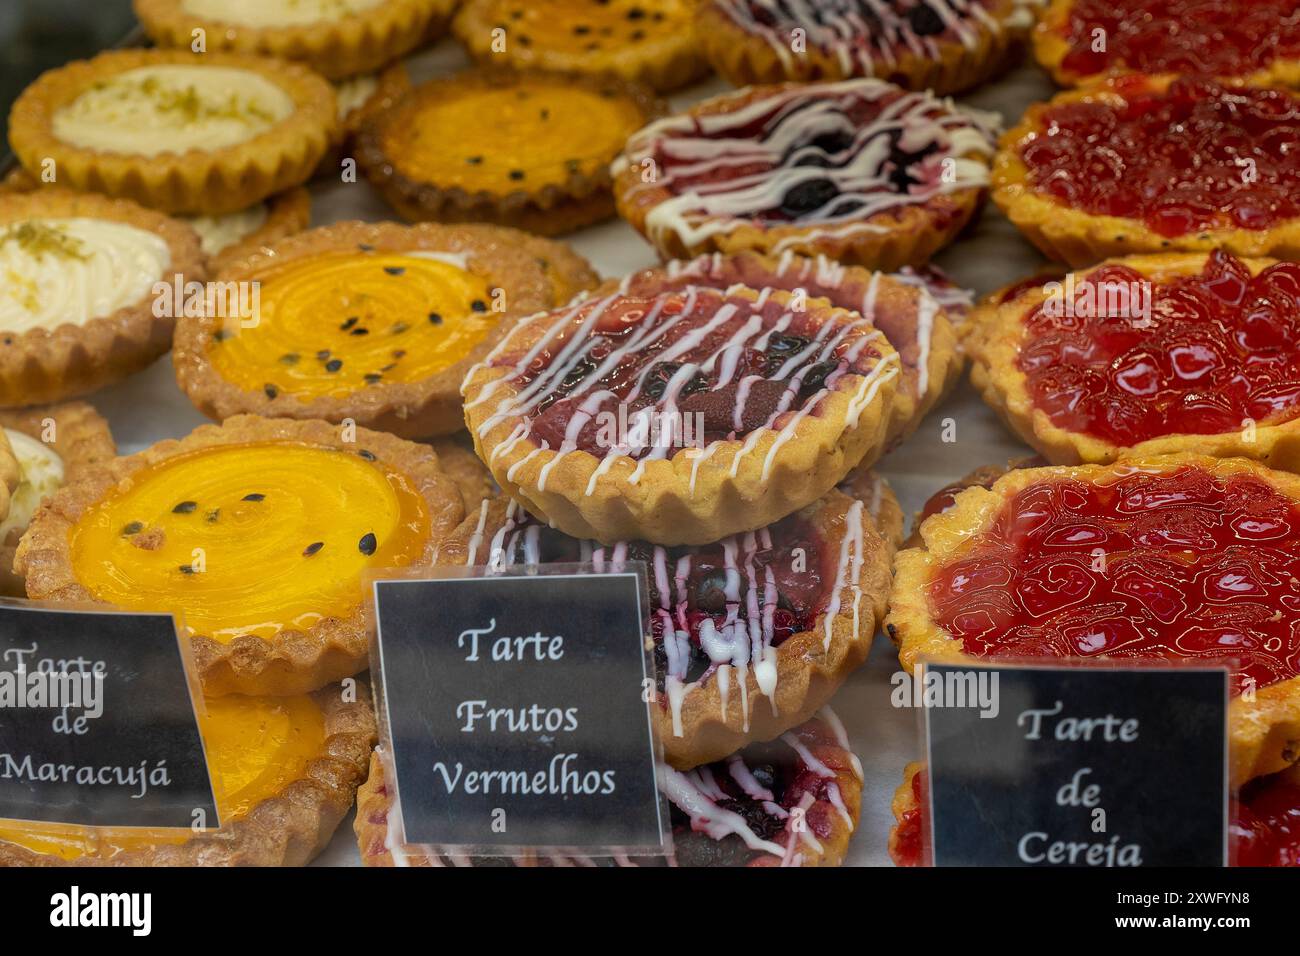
<point x="1180" y="564"/>
<point x="1200" y="354"/>
<point x="1197" y="156"/>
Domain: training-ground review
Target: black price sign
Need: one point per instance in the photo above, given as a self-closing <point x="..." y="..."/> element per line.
<point x="516" y="710"/>
<point x="97" y="722"/>
<point x="1077" y="766"/>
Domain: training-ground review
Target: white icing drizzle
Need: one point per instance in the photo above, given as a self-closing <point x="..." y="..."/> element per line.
<point x="808" y="141"/>
<point x="843" y="335"/>
<point x="871" y="36"/>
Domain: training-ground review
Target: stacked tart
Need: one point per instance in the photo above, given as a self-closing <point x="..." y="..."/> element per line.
<point x="859" y="170"/>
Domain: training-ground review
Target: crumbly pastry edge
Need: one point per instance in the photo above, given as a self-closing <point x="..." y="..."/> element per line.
<point x="197" y="181"/>
<point x="287" y="829"/>
<point x="294" y="661"/>
<point x="887" y="241"/>
<point x="336" y="48"/>
<point x="82" y="440"/>
<point x="1264" y="733"/>
<point x="669" y="64"/>
<point x="50" y="365"/>
<point x="745" y="60"/>
<point x="392" y="83"/>
<point x="1050" y="49"/>
<point x="287" y="214"/>
<point x="674" y="501"/>
<point x="992" y="339"/>
<point x="419" y="409"/>
<point x="550" y="211"/>
<point x="473" y="480"/>
<point x="1079" y="238"/>
<point x="811" y="665"/>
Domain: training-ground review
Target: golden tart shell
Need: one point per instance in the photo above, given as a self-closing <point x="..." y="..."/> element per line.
<point x="198" y="181"/>
<point x="294" y="660"/>
<point x="674" y="500"/>
<point x="78" y="435"/>
<point x="746" y="59"/>
<point x="286" y="829"/>
<point x="1079" y="238"/>
<point x="1051" y="47"/>
<point x="810" y="665"/>
<point x="287" y="214"/>
<point x="391" y="84"/>
<point x="1262" y="732"/>
<point x="651" y="42"/>
<point x="572" y="192"/>
<point x="501" y="259"/>
<point x="52" y="364"/>
<point x="473" y="480"/>
<point x="335" y="47"/>
<point x="889" y="240"/>
<point x="882" y="506"/>
<point x="993" y="338"/>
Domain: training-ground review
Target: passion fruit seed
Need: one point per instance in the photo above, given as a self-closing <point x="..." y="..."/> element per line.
<point x="312" y="548"/>
<point x="254" y="496"/>
<point x="134" y="527"/>
<point x="185" y="507"/>
<point x="367" y="544"/>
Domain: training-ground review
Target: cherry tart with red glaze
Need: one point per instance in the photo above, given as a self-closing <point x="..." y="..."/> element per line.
<point x="916" y="310"/>
<point x="1148" y="355"/>
<point x="1263" y="821"/>
<point x="943" y="45"/>
<point x="1177" y="557"/>
<point x="1141" y="164"/>
<point x="793" y="801"/>
<point x="1254" y="40"/>
<point x="751" y="635"/>
<point x="860" y="171"/>
<point x="683" y="416"/>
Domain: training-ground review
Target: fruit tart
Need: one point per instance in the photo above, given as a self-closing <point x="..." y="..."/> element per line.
<point x="680" y="417"/>
<point x="336" y="38"/>
<point x="942" y="45"/>
<point x="285" y="772"/>
<point x="784" y="613"/>
<point x="1255" y="40"/>
<point x="257" y="533"/>
<point x="1178" y="557"/>
<point x="79" y="277"/>
<point x="52" y="445"/>
<point x="372" y="323"/>
<point x="902" y="307"/>
<point x="176" y="131"/>
<point x="1148" y="355"/>
<point x="793" y="801"/>
<point x="860" y="171"/>
<point x="542" y="164"/>
<point x="645" y="41"/>
<point x="1155" y="164"/>
<point x="1263" y="827"/>
<point x="225" y="237"/>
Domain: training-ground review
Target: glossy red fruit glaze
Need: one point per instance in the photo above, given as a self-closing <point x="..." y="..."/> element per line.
<point x="906" y="849"/>
<point x="1196" y="156"/>
<point x="1180" y="564"/>
<point x="1190" y="37"/>
<point x="722" y="361"/>
<point x="1196" y="355"/>
<point x="1265" y="827"/>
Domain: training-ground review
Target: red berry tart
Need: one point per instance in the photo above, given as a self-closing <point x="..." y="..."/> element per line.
<point x="1146" y="356"/>
<point x="1263" y="828"/>
<point x="943" y="45"/>
<point x="1258" y="40"/>
<point x="916" y="311"/>
<point x="792" y="802"/>
<point x="1155" y="164"/>
<point x="683" y="416"/>
<point x="785" y="613"/>
<point x="859" y="170"/>
<point x="1176" y="557"/>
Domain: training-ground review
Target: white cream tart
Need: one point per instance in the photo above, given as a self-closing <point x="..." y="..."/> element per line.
<point x="57" y="271"/>
<point x="220" y="232"/>
<point x="275" y="13"/>
<point x="172" y="108"/>
<point x="41" y="468"/>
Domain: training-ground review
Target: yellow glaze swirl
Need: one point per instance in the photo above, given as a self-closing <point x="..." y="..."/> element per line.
<point x="256" y="747"/>
<point x="171" y="109"/>
<point x="340" y="322"/>
<point x="249" y="539"/>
